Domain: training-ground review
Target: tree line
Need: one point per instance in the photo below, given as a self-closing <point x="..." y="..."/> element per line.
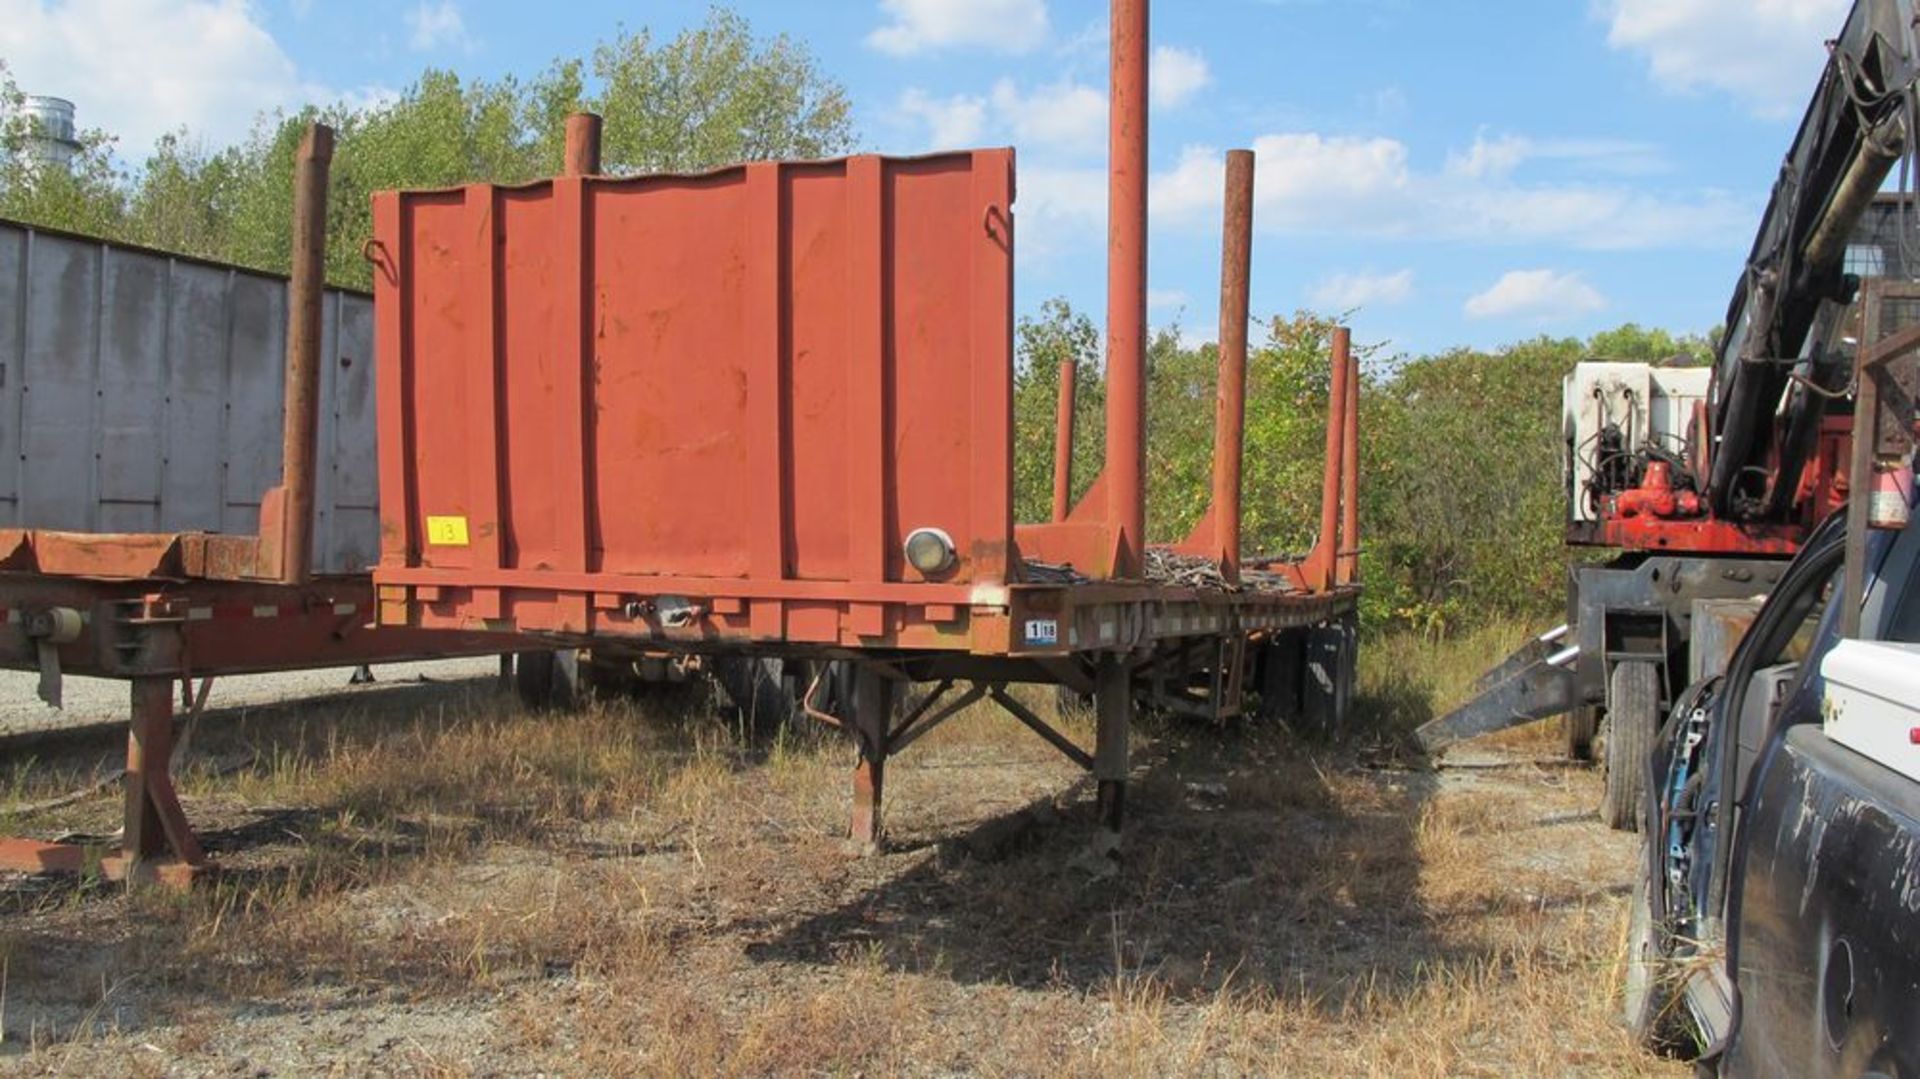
<point x="1462" y="503"/>
<point x="1461" y="494"/>
<point x="712" y="95"/>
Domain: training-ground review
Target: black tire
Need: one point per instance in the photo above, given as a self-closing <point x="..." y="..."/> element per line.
<point x="757" y="688"/>
<point x="1648" y="1003"/>
<point x="1582" y="723"/>
<point x="1633" y="721"/>
<point x="1276" y="679"/>
<point x="544" y="680"/>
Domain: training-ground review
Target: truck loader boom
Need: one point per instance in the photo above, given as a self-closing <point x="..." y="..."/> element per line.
<point x="1857" y="127"/>
<point x="1704" y="481"/>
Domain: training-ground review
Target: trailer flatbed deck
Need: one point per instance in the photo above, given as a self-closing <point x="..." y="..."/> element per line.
<point x="768" y="409"/>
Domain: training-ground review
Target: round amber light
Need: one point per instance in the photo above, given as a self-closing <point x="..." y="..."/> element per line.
<point x="930" y="551"/>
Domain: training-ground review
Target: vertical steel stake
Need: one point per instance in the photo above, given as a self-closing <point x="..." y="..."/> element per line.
<point x="1350" y="475"/>
<point x="1063" y="440"/>
<point x="301" y="424"/>
<point x="582" y="156"/>
<point x="1325" y="559"/>
<point x="1126" y="471"/>
<point x="1229" y="424"/>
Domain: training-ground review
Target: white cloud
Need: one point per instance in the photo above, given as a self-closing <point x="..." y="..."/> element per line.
<point x="1060" y="209"/>
<point x="1060" y="116"/>
<point x="437" y="25"/>
<point x="950" y="121"/>
<point x="141" y="68"/>
<point x="1367" y="186"/>
<point x="1536" y="295"/>
<point x="1175" y="75"/>
<point x="1345" y="292"/>
<point x="922" y="25"/>
<point x="1499" y="156"/>
<point x="1166" y="297"/>
<point x="1765" y="53"/>
<point x="1388" y="102"/>
<point x="1299" y="180"/>
<point x="1064" y="119"/>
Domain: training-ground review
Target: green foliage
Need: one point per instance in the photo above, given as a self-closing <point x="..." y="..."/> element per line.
<point x="1462" y="506"/>
<point x="713" y="95"/>
<point x="1046" y="343"/>
<point x="90" y="197"/>
<point x="1465" y="510"/>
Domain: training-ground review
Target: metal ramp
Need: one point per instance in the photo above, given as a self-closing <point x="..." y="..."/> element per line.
<point x="1534" y="683"/>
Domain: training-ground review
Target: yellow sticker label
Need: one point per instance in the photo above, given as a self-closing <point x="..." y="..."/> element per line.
<point x="447" y="531"/>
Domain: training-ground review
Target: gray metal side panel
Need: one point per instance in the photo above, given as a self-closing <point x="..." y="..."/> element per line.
<point x="351" y="476"/>
<point x="57" y="381"/>
<point x="142" y="393"/>
<point x="13" y="253"/>
<point x="130" y="400"/>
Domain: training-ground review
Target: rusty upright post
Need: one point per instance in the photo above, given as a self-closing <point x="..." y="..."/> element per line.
<point x="1229" y="423"/>
<point x="302" y="402"/>
<point x="1063" y="441"/>
<point x="1326" y="553"/>
<point x="1350" y="476"/>
<point x="583" y="145"/>
<point x="1126" y="468"/>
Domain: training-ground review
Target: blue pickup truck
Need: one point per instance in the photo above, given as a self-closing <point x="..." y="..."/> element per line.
<point x="1776" y="918"/>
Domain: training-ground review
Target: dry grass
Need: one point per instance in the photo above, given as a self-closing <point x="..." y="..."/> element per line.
<point x="446" y="886"/>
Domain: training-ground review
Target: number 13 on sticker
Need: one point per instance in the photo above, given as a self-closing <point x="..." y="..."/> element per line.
<point x="447" y="531"/>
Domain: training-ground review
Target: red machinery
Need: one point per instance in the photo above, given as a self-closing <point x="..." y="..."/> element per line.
<point x="1706" y="480"/>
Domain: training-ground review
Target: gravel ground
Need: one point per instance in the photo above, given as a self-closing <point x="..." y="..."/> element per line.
<point x="93" y="700"/>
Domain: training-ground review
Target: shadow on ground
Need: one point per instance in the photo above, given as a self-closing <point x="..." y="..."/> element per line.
<point x="1251" y="861"/>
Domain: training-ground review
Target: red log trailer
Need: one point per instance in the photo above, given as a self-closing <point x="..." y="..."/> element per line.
<point x="766" y="410"/>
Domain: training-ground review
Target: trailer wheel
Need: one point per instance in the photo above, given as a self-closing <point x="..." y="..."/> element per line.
<point x="1582" y="723"/>
<point x="756" y="687"/>
<point x="1633" y="719"/>
<point x="1279" y="668"/>
<point x="1648" y="1003"/>
<point x="544" y="680"/>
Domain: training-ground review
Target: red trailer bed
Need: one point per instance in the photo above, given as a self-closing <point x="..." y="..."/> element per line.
<point x="768" y="409"/>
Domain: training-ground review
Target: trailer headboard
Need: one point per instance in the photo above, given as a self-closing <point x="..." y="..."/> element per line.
<point x="771" y="373"/>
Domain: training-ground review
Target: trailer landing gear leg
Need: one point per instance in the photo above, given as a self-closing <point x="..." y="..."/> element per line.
<point x="872" y="708"/>
<point x="1113" y="705"/>
<point x="154" y="821"/>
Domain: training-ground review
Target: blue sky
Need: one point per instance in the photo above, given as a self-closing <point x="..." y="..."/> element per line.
<point x="1460" y="171"/>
